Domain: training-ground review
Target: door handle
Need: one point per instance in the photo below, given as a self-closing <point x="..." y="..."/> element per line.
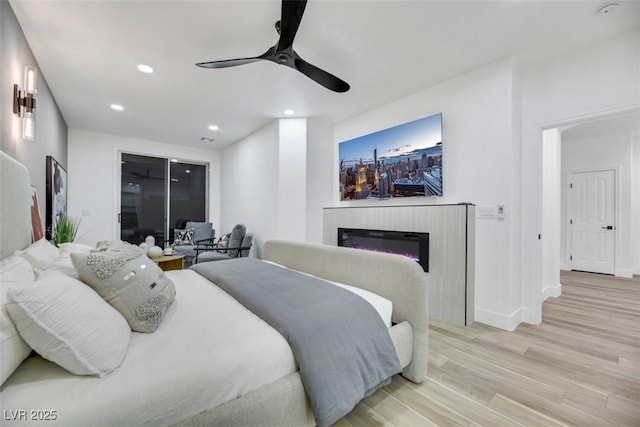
<point x="608" y="227"/>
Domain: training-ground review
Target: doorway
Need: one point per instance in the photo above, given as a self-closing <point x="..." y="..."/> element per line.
<point x="157" y="193"/>
<point x="555" y="238"/>
<point x="592" y="221"/>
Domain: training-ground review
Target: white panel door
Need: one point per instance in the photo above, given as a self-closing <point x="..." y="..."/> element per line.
<point x="593" y="221"/>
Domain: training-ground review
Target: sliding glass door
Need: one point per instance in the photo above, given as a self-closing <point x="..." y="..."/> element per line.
<point x="158" y="195"/>
<point x="187" y="201"/>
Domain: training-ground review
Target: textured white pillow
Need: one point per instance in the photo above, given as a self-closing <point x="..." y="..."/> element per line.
<point x="129" y="281"/>
<point x="66" y="322"/>
<point x="13" y="349"/>
<point x="62" y="262"/>
<point x="40" y="251"/>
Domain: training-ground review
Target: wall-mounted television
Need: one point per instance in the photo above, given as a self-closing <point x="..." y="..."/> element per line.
<point x="400" y="161"/>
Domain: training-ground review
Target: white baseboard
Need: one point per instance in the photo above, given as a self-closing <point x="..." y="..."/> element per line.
<point x="624" y="272"/>
<point x="551" y="292"/>
<point x="499" y="320"/>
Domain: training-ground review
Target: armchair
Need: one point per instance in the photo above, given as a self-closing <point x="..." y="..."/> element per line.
<point x="238" y="245"/>
<point x="202" y="233"/>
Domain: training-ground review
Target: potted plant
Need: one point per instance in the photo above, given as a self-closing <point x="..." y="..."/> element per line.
<point x="64" y="230"/>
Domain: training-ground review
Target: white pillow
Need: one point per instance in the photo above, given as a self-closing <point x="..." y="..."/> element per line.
<point x="13" y="349"/>
<point x="61" y="265"/>
<point x="40" y="251"/>
<point x="66" y="322"/>
<point x="62" y="262"/>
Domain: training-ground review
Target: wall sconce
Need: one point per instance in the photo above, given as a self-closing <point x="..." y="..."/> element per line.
<point x="24" y="103"/>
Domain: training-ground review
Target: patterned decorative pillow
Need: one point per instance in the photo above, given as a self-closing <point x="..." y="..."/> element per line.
<point x="183" y="237"/>
<point x="129" y="281"/>
<point x="223" y="242"/>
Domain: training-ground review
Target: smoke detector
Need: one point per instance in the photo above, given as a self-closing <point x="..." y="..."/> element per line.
<point x="607" y="8"/>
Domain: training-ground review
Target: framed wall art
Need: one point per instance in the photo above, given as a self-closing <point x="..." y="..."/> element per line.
<point x="37" y="232"/>
<point x="56" y="193"/>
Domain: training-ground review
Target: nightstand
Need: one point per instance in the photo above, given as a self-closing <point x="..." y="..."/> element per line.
<point x="170" y="262"/>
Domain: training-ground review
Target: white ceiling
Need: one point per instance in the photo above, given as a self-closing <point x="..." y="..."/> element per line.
<point x="88" y="52"/>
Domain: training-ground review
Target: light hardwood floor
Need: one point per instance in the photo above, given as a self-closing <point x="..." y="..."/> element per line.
<point x="580" y="367"/>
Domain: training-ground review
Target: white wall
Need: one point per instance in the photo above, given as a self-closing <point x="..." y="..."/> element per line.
<point x="603" y="152"/>
<point x="292" y="179"/>
<point x="94" y="178"/>
<point x="249" y="192"/>
<point x="265" y="182"/>
<point x="635" y="202"/>
<point x="320" y="175"/>
<point x="478" y="150"/>
<point x="551" y="181"/>
<point x="588" y="81"/>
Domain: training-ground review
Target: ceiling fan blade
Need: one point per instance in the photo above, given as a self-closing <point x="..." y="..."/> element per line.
<point x="292" y="11"/>
<point x="228" y="62"/>
<point x="320" y="76"/>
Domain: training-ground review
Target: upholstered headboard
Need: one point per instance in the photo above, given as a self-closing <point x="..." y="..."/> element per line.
<point x="15" y="206"/>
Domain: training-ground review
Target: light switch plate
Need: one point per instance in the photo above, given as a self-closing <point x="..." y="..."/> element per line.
<point x="486" y="212"/>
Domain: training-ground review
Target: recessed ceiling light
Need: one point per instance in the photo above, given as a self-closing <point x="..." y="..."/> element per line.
<point x="288" y="111"/>
<point x="214" y="127"/>
<point x="607" y="8"/>
<point x="117" y="107"/>
<point x="145" y="69"/>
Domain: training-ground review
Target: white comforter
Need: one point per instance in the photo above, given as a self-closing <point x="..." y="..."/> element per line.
<point x="208" y="350"/>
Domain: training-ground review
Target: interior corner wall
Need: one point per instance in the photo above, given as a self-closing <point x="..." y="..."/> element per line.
<point x="478" y="152"/>
<point x="94" y="179"/>
<point x="551" y="178"/>
<point x="596" y="78"/>
<point x="320" y="187"/>
<point x="598" y="153"/>
<point x="265" y="183"/>
<point x="635" y="201"/>
<point x="51" y="128"/>
<point x="250" y="179"/>
<point x="292" y="179"/>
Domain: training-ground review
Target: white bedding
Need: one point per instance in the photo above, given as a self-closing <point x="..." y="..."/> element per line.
<point x="181" y="358"/>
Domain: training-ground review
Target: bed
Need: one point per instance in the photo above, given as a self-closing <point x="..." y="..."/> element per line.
<point x="194" y="369"/>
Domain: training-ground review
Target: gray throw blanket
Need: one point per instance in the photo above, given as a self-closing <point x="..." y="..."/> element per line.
<point x="341" y="344"/>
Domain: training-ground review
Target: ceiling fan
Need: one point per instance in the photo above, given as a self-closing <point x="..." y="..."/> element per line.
<point x="282" y="52"/>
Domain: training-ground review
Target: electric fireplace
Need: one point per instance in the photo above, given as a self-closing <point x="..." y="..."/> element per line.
<point x="409" y="244"/>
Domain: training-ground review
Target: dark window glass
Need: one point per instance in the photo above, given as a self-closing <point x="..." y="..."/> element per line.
<point x="143" y="198"/>
<point x="188" y="191"/>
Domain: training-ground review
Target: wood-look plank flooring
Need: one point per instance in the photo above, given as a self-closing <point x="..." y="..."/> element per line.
<point x="580" y="367"/>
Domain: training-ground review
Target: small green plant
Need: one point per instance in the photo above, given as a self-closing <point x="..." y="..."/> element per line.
<point x="65" y="229"/>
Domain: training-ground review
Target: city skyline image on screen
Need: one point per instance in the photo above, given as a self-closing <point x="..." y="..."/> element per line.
<point x="400" y="161"/>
